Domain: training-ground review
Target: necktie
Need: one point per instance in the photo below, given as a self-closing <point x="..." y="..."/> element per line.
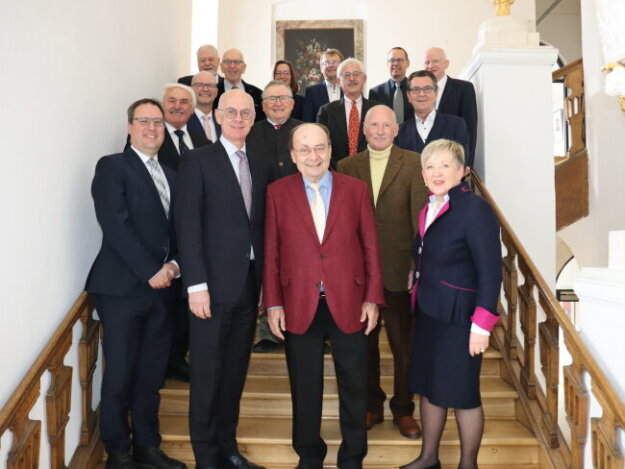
<point x="352" y="129"/>
<point x="245" y="180"/>
<point x="206" y="118"/>
<point x="182" y="147"/>
<point x="278" y="126"/>
<point x="398" y="104"/>
<point x="160" y="182"/>
<point x="317" y="207"/>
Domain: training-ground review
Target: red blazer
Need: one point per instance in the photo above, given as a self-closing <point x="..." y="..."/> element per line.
<point x="348" y="260"/>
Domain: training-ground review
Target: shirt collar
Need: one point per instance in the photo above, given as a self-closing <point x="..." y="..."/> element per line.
<point x="429" y="119"/>
<point x="441" y="83"/>
<point x="200" y="113"/>
<point x="145" y="158"/>
<point x="230" y="147"/>
<point x="171" y="129"/>
<point x="325" y="181"/>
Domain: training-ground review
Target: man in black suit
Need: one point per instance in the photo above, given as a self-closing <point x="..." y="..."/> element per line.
<point x="207" y="61"/>
<point x="202" y="120"/>
<point x="129" y="284"/>
<point x="344" y="118"/>
<point x="220" y="221"/>
<point x="327" y="90"/>
<point x="233" y="66"/>
<point x="179" y="101"/>
<point x="393" y="92"/>
<point x="455" y="97"/>
<point x="427" y="124"/>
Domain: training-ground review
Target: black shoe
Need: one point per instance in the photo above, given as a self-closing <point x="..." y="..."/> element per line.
<point x="267" y="346"/>
<point x="122" y="461"/>
<point x="154" y="457"/>
<point x="237" y="462"/>
<point x="179" y="372"/>
<point x="206" y="467"/>
<point x="304" y="466"/>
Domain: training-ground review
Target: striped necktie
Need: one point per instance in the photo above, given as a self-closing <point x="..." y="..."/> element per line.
<point x="160" y="182"/>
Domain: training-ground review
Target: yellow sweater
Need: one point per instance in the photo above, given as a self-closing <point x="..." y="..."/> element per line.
<point x="377" y="162"/>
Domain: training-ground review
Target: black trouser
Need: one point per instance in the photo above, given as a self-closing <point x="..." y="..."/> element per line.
<point x="219" y="354"/>
<point x="305" y="361"/>
<point x="398" y="324"/>
<point x="136" y="345"/>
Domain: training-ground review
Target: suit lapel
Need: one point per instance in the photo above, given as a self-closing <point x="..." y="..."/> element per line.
<point x="446" y="92"/>
<point x="142" y="171"/>
<point x="230" y="175"/>
<point x="340" y="115"/>
<point x="395" y="162"/>
<point x="300" y="201"/>
<point x="363" y="168"/>
<point x="336" y="201"/>
<point x="436" y="128"/>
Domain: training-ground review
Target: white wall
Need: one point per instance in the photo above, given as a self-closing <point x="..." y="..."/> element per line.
<point x="69" y="69"/>
<point x="563" y="32"/>
<point x="412" y="24"/>
<point x="605" y="139"/>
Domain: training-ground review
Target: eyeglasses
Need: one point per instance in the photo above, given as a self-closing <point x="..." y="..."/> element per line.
<point x="349" y="75"/>
<point x="275" y="99"/>
<point x="419" y="89"/>
<point x="305" y="151"/>
<point x="232" y="62"/>
<point x="204" y="86"/>
<point x="383" y="125"/>
<point x="327" y="63"/>
<point x="146" y="121"/>
<point x="231" y="113"/>
<point x="397" y="60"/>
<point x="284" y="73"/>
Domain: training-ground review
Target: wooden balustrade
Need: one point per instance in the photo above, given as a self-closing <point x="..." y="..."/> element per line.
<point x="14" y="416"/>
<point x="540" y="403"/>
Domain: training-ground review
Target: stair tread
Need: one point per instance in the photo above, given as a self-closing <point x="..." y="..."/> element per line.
<point x="174" y="428"/>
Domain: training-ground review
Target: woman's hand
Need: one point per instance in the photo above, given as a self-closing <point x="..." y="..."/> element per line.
<point x="478" y="343"/>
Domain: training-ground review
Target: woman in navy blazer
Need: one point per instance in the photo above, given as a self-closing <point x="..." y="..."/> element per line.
<point x="456" y="281"/>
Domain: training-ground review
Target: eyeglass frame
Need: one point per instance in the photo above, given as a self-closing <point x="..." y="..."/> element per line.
<point x="146" y="121"/>
<point x="305" y="151"/>
<point x="274" y="99"/>
<point x="249" y="113"/>
<point x="427" y="90"/>
<point x="207" y="86"/>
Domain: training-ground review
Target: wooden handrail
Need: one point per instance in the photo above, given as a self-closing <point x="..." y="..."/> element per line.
<point x="14" y="414"/>
<point x="561" y="72"/>
<point x="522" y="358"/>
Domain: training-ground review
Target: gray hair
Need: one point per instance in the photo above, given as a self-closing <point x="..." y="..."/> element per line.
<point x="350" y="61"/>
<point x="186" y="88"/>
<point x="276" y="83"/>
<point x="442" y="145"/>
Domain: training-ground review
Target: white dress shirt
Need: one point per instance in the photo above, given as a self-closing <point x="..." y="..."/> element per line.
<point x="187" y="139"/>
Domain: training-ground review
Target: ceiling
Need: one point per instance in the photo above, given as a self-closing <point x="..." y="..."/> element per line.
<point x="565" y="7"/>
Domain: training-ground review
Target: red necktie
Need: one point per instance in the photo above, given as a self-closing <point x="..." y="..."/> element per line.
<point x="352" y="129"/>
<point x="278" y="126"/>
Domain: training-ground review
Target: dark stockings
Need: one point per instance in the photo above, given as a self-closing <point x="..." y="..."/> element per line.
<point x="470" y="427"/>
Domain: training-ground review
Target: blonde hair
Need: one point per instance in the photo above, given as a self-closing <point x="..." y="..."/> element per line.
<point x="443" y="145"/>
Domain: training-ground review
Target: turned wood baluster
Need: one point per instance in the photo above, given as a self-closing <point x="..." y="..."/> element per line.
<point x="510" y="285"/>
<point x="24" y="453"/>
<point x="87" y="359"/>
<point x="528" y="326"/>
<point x="576" y="406"/>
<point x="606" y="452"/>
<point x="550" y="364"/>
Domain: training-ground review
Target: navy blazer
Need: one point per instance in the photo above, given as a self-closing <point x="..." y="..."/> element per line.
<point x="458" y="265"/>
<point x="137" y="234"/>
<point x="315" y="97"/>
<point x="168" y="153"/>
<point x="253" y="91"/>
<point x="384" y="92"/>
<point x="445" y="126"/>
<point x="213" y="228"/>
<point x="459" y="100"/>
<point x="194" y="124"/>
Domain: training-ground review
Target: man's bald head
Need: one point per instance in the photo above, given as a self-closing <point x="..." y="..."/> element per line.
<point x="435" y="61"/>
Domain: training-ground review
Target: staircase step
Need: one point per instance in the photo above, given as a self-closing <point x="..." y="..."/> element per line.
<point x="270" y="396"/>
<point x="506" y="443"/>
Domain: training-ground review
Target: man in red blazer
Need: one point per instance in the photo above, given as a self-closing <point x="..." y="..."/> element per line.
<point x="322" y="277"/>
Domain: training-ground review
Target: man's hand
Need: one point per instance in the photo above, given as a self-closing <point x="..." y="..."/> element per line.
<point x="200" y="304"/>
<point x="277" y="322"/>
<point x="163" y="278"/>
<point x="478" y="343"/>
<point x="410" y="279"/>
<point x="370" y="314"/>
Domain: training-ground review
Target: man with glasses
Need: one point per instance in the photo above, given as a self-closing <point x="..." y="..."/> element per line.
<point x="207" y="61"/>
<point x="322" y="277"/>
<point x="393" y="91"/>
<point x="344" y="118"/>
<point x="202" y="120"/>
<point x="270" y="138"/>
<point x="233" y="66"/>
<point x="326" y="91"/>
<point x="455" y="97"/>
<point x="428" y="124"/>
<point x="179" y="101"/>
<point x="130" y="284"/>
<point x="220" y="212"/>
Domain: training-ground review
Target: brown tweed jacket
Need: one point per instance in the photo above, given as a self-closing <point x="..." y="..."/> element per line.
<point x="402" y="195"/>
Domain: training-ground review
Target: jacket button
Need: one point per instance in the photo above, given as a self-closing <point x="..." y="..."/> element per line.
<point x="420" y="249"/>
<point x="322" y="256"/>
<point x="417" y="275"/>
<point x="280" y="163"/>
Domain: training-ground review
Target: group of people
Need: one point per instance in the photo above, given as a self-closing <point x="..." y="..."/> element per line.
<point x="229" y="200"/>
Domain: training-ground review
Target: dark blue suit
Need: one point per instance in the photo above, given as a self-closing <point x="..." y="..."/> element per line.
<point x="316" y="96"/>
<point x="384" y="92"/>
<point x="195" y="125"/>
<point x="459" y="100"/>
<point x="445" y="126"/>
<point x="137" y="238"/>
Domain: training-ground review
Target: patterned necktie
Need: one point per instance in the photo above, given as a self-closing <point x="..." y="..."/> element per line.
<point x="206" y="118"/>
<point x="160" y="182"/>
<point x="245" y="180"/>
<point x="182" y="147"/>
<point x="352" y="129"/>
<point x="318" y="209"/>
<point x="398" y="104"/>
<point x="278" y="126"/>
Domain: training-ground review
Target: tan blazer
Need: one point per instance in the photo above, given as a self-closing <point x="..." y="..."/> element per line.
<point x="402" y="195"/>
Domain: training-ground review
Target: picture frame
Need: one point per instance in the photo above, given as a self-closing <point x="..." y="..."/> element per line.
<point x="302" y="41"/>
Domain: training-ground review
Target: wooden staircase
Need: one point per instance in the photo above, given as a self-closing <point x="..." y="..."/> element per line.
<point x="264" y="431"/>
